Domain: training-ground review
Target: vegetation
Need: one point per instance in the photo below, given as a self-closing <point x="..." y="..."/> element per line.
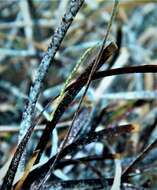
<point x="78" y="94"/>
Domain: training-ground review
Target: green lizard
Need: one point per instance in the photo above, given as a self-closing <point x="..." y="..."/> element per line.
<point x="82" y="60"/>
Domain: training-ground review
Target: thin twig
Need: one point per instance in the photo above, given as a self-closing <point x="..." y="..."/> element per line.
<point x="94" y="67"/>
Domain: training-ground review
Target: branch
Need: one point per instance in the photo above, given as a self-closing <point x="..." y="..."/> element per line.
<point x="117" y="71"/>
<point x="139" y="158"/>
